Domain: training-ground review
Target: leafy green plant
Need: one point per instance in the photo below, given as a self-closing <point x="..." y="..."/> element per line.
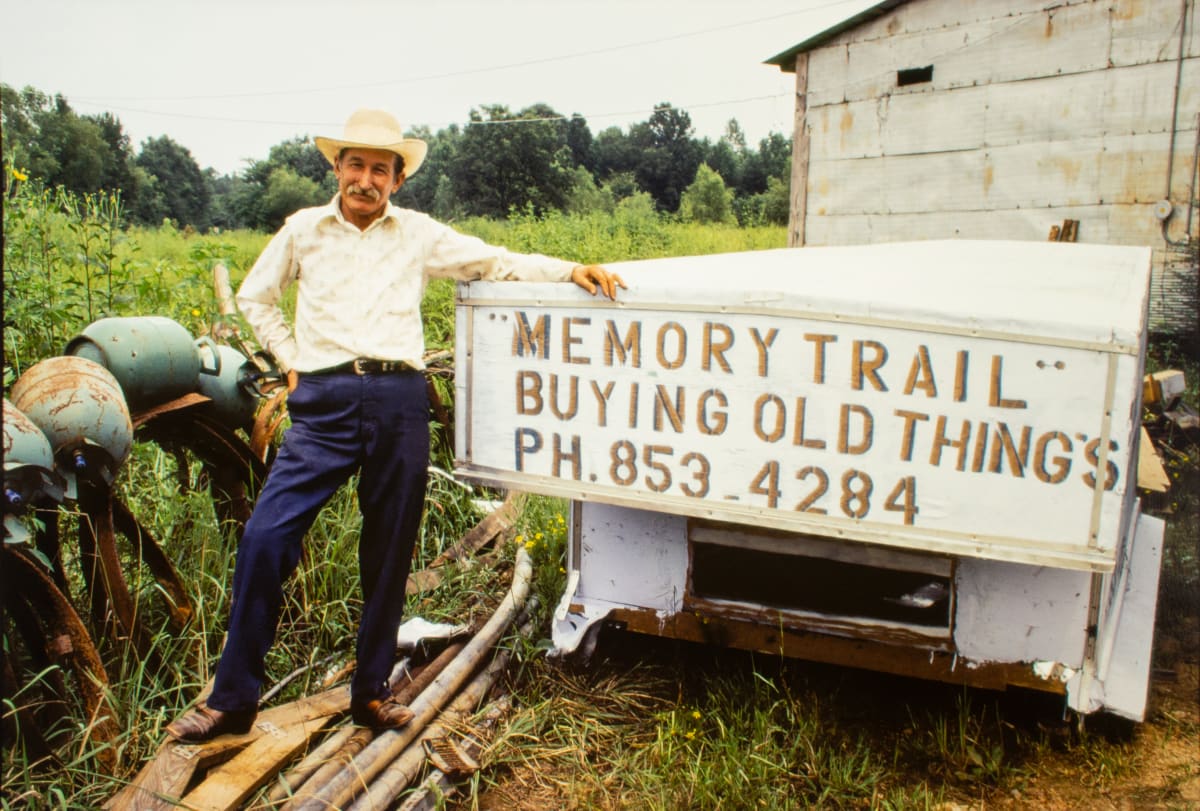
<point x="36" y="312"/>
<point x="543" y="530"/>
<point x="95" y="225"/>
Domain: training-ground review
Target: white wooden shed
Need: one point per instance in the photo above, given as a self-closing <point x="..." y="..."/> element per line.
<point x="1005" y="119"/>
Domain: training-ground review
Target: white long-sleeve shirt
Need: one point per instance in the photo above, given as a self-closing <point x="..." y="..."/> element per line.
<point x="359" y="292"/>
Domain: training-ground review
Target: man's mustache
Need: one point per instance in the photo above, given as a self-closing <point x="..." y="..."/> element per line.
<point x="366" y="192"/>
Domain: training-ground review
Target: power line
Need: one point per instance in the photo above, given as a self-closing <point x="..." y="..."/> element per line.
<point x="625" y="113"/>
<point x="442" y="125"/>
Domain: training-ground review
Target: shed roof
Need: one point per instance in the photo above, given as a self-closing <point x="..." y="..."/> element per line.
<point x="787" y="60"/>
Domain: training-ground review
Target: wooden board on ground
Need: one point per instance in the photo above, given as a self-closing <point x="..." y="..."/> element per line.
<point x="283" y="736"/>
<point x="164" y="782"/>
<point x="479" y="536"/>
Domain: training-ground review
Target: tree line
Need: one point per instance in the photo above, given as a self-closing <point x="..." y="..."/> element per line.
<point x="502" y="161"/>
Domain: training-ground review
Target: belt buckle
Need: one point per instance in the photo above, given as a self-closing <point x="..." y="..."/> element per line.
<point x="358" y="366"/>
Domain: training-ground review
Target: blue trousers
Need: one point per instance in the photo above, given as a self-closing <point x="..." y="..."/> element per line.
<point x="377" y="425"/>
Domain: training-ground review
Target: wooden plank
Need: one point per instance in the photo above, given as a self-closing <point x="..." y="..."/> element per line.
<point x="479" y="536"/>
<point x="165" y="779"/>
<point x="1114" y="101"/>
<point x="1041" y="175"/>
<point x="905" y="184"/>
<point x="233" y="782"/>
<point x="1133" y="169"/>
<point x="851" y="205"/>
<point x="801" y="154"/>
<point x="1150" y="472"/>
<point x="1116" y="224"/>
<point x="905" y="124"/>
<point x="162" y="781"/>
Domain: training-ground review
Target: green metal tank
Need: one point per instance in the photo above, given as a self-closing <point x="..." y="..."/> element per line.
<point x="29" y="475"/>
<point x="153" y="358"/>
<point x="233" y="403"/>
<point x="78" y="405"/>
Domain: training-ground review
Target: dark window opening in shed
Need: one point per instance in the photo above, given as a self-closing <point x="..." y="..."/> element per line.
<point x="810" y="584"/>
<point x="909" y="76"/>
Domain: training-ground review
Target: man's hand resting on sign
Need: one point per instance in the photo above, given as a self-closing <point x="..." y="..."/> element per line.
<point x="594" y="277"/>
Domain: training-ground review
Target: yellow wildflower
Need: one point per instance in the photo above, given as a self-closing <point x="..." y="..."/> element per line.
<point x="19" y="175"/>
<point x="195" y="313"/>
<point x="696" y="714"/>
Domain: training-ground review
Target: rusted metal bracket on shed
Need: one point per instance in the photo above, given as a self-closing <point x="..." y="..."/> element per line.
<point x="1067" y="232"/>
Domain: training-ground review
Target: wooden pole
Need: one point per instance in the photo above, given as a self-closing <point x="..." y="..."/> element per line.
<point x="798" y="211"/>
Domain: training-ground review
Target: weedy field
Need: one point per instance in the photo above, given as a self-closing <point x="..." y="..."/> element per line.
<point x="647" y="723"/>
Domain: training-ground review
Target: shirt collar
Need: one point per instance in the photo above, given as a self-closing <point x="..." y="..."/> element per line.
<point x="334" y="210"/>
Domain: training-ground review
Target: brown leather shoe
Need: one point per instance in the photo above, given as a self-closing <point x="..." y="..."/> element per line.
<point x="204" y="723"/>
<point x="381" y="713"/>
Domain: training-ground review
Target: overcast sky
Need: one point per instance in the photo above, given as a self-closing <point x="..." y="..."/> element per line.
<point x="230" y="78"/>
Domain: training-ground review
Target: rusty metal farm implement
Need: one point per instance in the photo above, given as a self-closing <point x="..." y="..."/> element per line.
<point x="70" y="424"/>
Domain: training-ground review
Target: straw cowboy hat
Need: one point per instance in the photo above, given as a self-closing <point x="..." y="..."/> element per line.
<point x="375" y="129"/>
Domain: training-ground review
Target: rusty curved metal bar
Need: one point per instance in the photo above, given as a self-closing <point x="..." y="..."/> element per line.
<point x="97" y="522"/>
<point x="49" y="544"/>
<point x="179" y="605"/>
<point x="68" y="642"/>
<point x="89" y="563"/>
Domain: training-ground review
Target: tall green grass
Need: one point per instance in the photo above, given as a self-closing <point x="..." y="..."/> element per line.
<point x="629" y="234"/>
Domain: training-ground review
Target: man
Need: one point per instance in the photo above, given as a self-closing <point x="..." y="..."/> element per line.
<point x="357" y="399"/>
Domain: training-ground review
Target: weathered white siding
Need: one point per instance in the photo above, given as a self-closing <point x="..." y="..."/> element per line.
<point x="1037" y="112"/>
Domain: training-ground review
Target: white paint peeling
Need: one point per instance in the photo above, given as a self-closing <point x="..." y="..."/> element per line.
<point x="1053" y="671"/>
